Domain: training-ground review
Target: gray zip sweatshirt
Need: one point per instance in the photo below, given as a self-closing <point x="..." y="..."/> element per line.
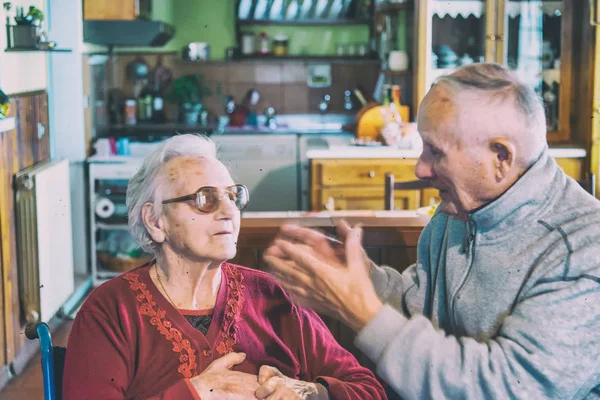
<point x="504" y="306"/>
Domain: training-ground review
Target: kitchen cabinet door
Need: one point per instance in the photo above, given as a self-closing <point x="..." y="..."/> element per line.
<point x="535" y="38"/>
<point x="116" y="9"/>
<point x="452" y="33"/>
<point x="365" y="198"/>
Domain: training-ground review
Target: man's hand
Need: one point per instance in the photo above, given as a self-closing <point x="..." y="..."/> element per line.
<point x="276" y="386"/>
<point x="217" y="381"/>
<point x="320" y="277"/>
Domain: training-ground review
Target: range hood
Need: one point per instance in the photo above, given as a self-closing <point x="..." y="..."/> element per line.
<point x="127" y="33"/>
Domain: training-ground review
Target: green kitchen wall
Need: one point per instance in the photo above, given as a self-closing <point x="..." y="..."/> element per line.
<point x="213" y="21"/>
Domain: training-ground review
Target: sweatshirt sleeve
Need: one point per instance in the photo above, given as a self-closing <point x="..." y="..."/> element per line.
<point x="324" y="360"/>
<point x="98" y="364"/>
<point x="546" y="348"/>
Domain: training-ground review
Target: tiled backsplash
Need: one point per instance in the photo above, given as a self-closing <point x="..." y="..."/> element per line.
<point x="281" y="84"/>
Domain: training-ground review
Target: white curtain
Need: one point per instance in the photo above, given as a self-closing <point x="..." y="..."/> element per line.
<point x="529" y="62"/>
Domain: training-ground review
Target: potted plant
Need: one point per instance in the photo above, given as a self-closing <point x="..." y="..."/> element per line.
<point x="35" y="15"/>
<point x="188" y="92"/>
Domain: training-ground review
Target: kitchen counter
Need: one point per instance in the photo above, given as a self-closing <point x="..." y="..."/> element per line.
<point x="325" y="219"/>
<point x="390" y="237"/>
<point x="391" y="152"/>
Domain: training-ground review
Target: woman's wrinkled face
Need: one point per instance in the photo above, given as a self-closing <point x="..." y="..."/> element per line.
<point x="188" y="232"/>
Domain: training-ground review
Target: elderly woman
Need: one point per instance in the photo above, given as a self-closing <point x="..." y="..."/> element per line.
<point x="189" y="325"/>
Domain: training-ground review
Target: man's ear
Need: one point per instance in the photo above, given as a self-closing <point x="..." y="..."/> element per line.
<point x="153" y="225"/>
<point x="505" y="154"/>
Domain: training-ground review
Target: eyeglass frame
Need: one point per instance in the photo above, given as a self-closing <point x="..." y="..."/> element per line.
<point x="194" y="196"/>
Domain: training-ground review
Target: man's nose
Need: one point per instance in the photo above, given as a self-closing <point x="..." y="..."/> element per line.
<point x="423" y="169"/>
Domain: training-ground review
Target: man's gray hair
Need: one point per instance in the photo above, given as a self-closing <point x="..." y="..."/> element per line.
<point x="498" y="83"/>
<point x="148" y="183"/>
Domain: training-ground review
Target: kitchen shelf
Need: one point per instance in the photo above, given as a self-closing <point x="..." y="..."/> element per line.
<point x="112" y="227"/>
<point x="389" y="72"/>
<point x="31" y="49"/>
<point x="167" y="128"/>
<point x="301" y="22"/>
<point x="385" y="7"/>
<point x="301" y="57"/>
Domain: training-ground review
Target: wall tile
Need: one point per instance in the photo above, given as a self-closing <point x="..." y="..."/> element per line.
<point x="295" y="98"/>
<point x="268" y="72"/>
<point x="270" y="96"/>
<point x="294" y="72"/>
<point x="241" y="72"/>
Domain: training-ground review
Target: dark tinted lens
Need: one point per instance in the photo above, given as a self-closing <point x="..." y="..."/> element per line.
<point x="207" y="199"/>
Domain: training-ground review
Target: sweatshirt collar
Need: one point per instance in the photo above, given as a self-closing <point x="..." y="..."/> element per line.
<point x="522" y="200"/>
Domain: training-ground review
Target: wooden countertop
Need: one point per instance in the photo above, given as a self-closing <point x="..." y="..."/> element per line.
<point x="384" y="231"/>
<point x="325" y="219"/>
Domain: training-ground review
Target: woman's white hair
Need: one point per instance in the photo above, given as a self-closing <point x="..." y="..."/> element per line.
<point x="148" y="183"/>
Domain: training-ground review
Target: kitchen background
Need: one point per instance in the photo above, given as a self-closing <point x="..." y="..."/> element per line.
<point x="310" y="108"/>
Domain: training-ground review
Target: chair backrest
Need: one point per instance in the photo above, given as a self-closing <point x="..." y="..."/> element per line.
<point x="589" y="183"/>
<point x="391" y="185"/>
<point x="59" y="354"/>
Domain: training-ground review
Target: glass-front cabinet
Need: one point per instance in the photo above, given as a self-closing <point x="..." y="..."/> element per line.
<point x="529" y="36"/>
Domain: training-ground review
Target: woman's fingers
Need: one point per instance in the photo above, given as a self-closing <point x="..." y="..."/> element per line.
<point x="268" y="388"/>
<point x="266" y="372"/>
<point x="228" y="360"/>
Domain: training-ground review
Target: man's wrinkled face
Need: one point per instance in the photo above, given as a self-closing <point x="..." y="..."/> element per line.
<point x="454" y="159"/>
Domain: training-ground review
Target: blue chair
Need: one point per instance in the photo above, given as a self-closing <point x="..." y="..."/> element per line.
<point x="53" y="359"/>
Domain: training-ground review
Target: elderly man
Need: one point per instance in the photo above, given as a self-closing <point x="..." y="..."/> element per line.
<point x="504" y="300"/>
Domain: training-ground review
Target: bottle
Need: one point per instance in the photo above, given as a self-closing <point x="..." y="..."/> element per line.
<point x="403" y="111"/>
<point x="386" y="95"/>
<point x="145" y="105"/>
<point x="158" y="104"/>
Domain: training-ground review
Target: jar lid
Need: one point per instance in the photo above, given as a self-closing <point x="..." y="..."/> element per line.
<point x="280" y="38"/>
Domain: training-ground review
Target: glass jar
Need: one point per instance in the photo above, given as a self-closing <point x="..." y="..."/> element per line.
<point x="280" y="45"/>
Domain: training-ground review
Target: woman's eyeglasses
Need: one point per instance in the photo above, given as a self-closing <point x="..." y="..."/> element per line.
<point x="207" y="198"/>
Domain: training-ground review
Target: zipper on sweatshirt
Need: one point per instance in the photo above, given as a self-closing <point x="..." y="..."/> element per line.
<point x="470" y="254"/>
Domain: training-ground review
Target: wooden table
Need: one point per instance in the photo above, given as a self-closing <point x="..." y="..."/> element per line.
<point x="390" y="238"/>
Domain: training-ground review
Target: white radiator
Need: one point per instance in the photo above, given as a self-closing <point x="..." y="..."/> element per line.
<point x="44" y="239"/>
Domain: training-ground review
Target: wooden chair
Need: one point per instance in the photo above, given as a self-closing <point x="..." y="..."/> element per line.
<point x="589" y="183"/>
<point x="391" y="186"/>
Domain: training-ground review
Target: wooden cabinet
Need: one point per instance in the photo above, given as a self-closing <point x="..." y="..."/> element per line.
<point x="25" y="145"/>
<point x="358" y="184"/>
<point x="540" y="40"/>
<point x="572" y="167"/>
<point x="116" y="9"/>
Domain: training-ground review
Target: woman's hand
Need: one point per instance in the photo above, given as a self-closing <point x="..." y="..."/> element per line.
<point x="217" y="381"/>
<point x="276" y="386"/>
